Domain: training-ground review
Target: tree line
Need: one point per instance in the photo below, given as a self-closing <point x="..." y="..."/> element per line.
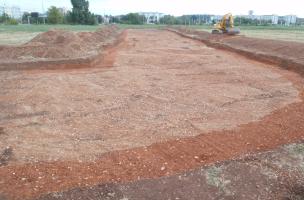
<point x="80" y="14"/>
<point x="6" y="19"/>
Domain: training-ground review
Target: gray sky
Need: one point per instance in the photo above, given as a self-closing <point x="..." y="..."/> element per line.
<point x="174" y="7"/>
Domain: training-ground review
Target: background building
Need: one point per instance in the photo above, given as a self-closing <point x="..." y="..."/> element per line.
<point x="152" y="17"/>
<point x="273" y="19"/>
<point x="290" y="20"/>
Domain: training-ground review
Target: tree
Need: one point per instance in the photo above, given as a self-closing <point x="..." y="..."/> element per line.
<point x="12" y="21"/>
<point x="54" y="16"/>
<point x="168" y="19"/>
<point x="133" y="18"/>
<point x="99" y="19"/>
<point x="4" y="18"/>
<point x="80" y="13"/>
<point x="25" y="17"/>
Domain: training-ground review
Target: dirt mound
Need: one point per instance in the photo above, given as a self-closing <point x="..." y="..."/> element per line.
<point x="59" y="44"/>
<point x="54" y="37"/>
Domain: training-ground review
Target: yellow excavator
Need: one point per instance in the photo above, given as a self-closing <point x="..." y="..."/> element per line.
<point x="226" y="26"/>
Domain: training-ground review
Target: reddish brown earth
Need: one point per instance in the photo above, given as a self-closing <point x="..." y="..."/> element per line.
<point x="269" y="175"/>
<point x="287" y="49"/>
<point x="168" y="105"/>
<point x="288" y="55"/>
<point x="59" y="49"/>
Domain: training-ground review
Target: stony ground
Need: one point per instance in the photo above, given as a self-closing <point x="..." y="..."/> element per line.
<point x="165" y="106"/>
<point x="161" y="87"/>
<point x="275" y="174"/>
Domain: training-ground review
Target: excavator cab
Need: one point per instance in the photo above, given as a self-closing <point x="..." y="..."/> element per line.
<point x="226" y="26"/>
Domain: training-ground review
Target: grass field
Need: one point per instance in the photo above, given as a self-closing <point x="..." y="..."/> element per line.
<point x="13" y="35"/>
<point x="292" y="33"/>
<point x="22" y="33"/>
<point x="43" y="28"/>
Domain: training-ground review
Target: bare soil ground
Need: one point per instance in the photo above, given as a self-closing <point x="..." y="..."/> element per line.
<point x="168" y="104"/>
<point x="288" y="55"/>
<point x="272" y="175"/>
<point x="155" y="91"/>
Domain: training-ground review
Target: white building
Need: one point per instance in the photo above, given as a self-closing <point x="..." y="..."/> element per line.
<point x="287" y="20"/>
<point x="152" y="17"/>
<point x="216" y="18"/>
<point x="274" y="19"/>
<point x="290" y="19"/>
<point x="106" y="19"/>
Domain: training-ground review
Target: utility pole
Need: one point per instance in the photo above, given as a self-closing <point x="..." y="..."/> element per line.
<point x="43" y="11"/>
<point x="4" y="13"/>
<point x="42" y="6"/>
<point x="199" y="21"/>
<point x="144" y="18"/>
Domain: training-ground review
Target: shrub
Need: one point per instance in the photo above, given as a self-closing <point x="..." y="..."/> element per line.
<point x="54" y="16"/>
<point x="12" y="21"/>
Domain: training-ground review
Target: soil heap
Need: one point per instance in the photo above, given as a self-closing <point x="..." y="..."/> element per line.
<point x="60" y="44"/>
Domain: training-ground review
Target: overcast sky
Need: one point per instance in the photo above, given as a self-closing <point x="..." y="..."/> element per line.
<point x="174" y="7"/>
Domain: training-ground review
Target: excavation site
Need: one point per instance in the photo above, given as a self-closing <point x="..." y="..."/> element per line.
<point x="151" y="114"/>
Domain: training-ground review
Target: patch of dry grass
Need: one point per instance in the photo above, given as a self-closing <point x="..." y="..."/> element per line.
<point x="16" y="38"/>
<point x="280" y="33"/>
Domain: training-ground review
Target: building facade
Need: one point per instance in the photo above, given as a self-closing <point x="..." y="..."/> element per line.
<point x="274" y="19"/>
<point x="290" y="20"/>
<point x="152" y="17"/>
